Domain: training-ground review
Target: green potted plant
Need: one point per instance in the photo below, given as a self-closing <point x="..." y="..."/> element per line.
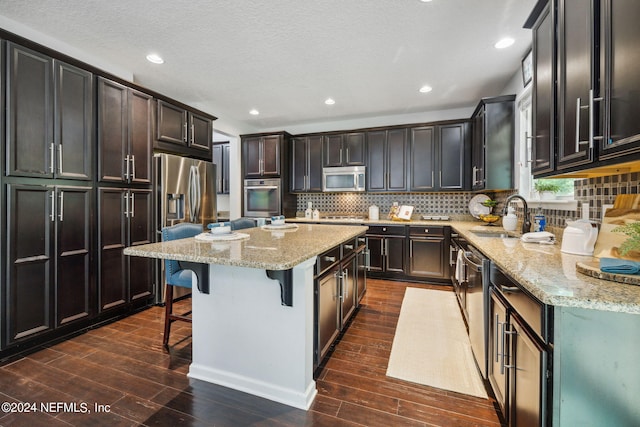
<point x="547" y="188"/>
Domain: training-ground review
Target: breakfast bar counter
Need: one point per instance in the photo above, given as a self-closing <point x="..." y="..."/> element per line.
<point x="252" y="328"/>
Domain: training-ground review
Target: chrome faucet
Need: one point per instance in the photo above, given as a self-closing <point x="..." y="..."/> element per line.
<point x="526" y="224"/>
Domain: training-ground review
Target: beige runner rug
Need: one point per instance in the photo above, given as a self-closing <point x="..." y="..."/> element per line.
<point x="431" y="345"/>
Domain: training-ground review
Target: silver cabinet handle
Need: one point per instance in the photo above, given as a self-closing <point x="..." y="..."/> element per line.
<point x="350" y="247"/>
<point x="504" y="345"/>
<point x="61" y="207"/>
<point x="59" y="158"/>
<point x="592" y="101"/>
<point x="133" y="167"/>
<point x="511" y="365"/>
<point x="184" y="135"/>
<point x="52" y="151"/>
<point x="579" y="107"/>
<point x="126" y="204"/>
<point x="330" y="258"/>
<point x="126" y="168"/>
<point x="367" y="259"/>
<point x="52" y="215"/>
<point x="193" y="139"/>
<point x="345" y="280"/>
<point x="133" y="204"/>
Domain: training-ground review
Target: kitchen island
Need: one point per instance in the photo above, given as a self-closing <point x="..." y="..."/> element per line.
<point x="253" y="321"/>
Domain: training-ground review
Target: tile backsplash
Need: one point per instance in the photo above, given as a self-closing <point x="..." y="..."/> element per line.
<point x="597" y="191"/>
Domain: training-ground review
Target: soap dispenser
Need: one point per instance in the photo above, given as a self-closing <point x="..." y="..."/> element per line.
<point x="510" y="221"/>
<point x="308" y="212"/>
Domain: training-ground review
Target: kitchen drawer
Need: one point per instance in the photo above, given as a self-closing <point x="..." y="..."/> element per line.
<point x="532" y="311"/>
<point x="387" y="230"/>
<point x="349" y="247"/>
<point x="427" y="231"/>
<point x="327" y="259"/>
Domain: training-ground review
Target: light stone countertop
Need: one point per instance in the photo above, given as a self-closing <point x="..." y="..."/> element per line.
<point x="264" y="249"/>
<point x="549" y="274"/>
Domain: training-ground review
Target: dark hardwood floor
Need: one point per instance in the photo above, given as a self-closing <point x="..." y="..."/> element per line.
<point x="119" y="375"/>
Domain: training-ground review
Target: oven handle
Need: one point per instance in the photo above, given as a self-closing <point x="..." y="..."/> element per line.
<point x="262" y="187"/>
<point x="467" y="261"/>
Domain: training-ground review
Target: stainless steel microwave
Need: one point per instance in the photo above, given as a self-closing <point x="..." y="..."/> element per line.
<point x="348" y="178"/>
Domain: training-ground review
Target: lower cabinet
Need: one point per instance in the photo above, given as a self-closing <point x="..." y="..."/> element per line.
<point x="49" y="282"/>
<point x="428" y="249"/>
<point x="340" y="282"/>
<point x="519" y="355"/>
<point x="387" y="250"/>
<point x="125" y="218"/>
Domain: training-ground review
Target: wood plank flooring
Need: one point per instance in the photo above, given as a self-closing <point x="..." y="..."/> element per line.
<point x="123" y="368"/>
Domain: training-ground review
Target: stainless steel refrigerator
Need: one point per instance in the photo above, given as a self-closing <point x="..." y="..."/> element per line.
<point x="185" y="191"/>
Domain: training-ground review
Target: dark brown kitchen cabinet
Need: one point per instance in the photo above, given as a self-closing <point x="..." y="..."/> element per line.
<point x="428" y="247"/>
<point x="619" y="81"/>
<point x="262" y="156"/>
<point x="439" y="157"/>
<point x="575" y="81"/>
<point x="125" y="134"/>
<point x="493" y="144"/>
<point x="387" y="250"/>
<point x="543" y="105"/>
<point x="49" y="272"/>
<point x="387" y="160"/>
<point x="306" y="165"/>
<point x="344" y="149"/>
<point x="221" y="159"/>
<point x="180" y="126"/>
<point x="125" y="218"/>
<point x="49" y="117"/>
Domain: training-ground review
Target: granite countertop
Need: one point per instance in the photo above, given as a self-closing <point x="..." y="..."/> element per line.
<point x="549" y="274"/>
<point x="264" y="249"/>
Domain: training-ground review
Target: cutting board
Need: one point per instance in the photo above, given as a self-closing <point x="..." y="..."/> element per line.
<point x="627" y="201"/>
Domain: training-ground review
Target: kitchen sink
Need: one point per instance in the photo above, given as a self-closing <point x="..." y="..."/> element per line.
<point x="500" y="234"/>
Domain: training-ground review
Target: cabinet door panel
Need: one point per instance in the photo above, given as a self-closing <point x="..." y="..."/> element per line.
<point x="271" y="156"/>
<point x="348" y="291"/>
<point x="299" y="159"/>
<point x="140" y="136"/>
<point x="112" y="130"/>
<point x="141" y="233"/>
<point x="477" y="151"/>
<point x="395" y="254"/>
<point x="201" y="132"/>
<point x="376" y="257"/>
<point x="327" y="309"/>
<point x="315" y="164"/>
<point x="376" y="161"/>
<point x="452" y="156"/>
<point x="543" y="107"/>
<point x="29" y="113"/>
<point x="251" y="157"/>
<point x="172" y="123"/>
<point x="73" y="261"/>
<point x="620" y="80"/>
<point x="355" y="147"/>
<point x="74" y="122"/>
<point x="423" y="157"/>
<point x="397" y="156"/>
<point x="333" y="152"/>
<point x="29" y="286"/>
<point x="113" y="271"/>
<point x="497" y="347"/>
<point x="574" y="81"/>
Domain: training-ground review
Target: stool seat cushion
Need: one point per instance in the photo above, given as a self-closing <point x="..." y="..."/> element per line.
<point x="180" y="278"/>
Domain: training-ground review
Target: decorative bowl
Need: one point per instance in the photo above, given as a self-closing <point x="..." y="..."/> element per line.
<point x="489" y="218"/>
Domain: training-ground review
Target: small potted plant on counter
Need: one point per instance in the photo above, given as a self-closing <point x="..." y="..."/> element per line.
<point x="547" y="188"/>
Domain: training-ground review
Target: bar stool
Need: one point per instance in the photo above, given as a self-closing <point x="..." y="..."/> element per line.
<point x="176" y="276"/>
<point x="242" y="223"/>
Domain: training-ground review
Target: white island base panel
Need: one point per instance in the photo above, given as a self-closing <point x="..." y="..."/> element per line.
<point x="245" y="339"/>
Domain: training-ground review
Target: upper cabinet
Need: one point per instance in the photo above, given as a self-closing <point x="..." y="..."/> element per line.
<point x="387" y="160"/>
<point x="493" y="144"/>
<point x="597" y="97"/>
<point x="439" y="157"/>
<point x="344" y="149"/>
<point x="49" y="117"/>
<point x="263" y="155"/>
<point x="180" y="126"/>
<point x="125" y="135"/>
<point x="221" y="160"/>
<point x="306" y="166"/>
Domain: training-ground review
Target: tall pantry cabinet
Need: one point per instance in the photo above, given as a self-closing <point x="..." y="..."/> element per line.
<point x="47" y="189"/>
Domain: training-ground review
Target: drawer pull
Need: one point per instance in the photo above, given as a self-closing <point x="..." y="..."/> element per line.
<point x="349" y="247"/>
<point x="330" y="258"/>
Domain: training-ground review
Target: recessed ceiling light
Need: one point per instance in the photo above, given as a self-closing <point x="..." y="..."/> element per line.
<point x="425" y="89"/>
<point x="505" y="42"/>
<point x="254" y="112"/>
<point x="425" y="1"/>
<point x="155" y="58"/>
<point x="329" y="101"/>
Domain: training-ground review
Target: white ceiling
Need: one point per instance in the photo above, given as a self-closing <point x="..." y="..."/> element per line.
<point x="285" y="57"/>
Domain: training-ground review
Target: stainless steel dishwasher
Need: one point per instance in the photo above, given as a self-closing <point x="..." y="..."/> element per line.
<point x="477" y="281"/>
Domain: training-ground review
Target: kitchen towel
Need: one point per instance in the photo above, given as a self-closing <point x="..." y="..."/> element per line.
<point x="619" y="266"/>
